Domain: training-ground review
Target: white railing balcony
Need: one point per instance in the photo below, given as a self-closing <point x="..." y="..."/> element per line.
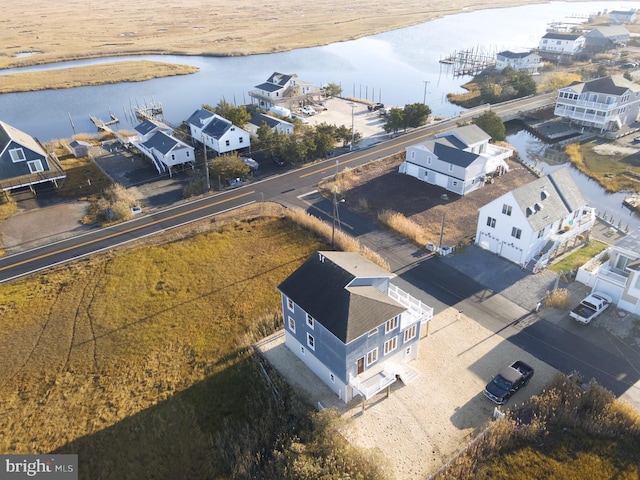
<point x="587" y="104"/>
<point x="373" y="381"/>
<point x="418" y="311"/>
<point x="605" y="272"/>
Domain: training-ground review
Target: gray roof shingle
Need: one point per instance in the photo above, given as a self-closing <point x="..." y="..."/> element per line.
<point x="328" y="287"/>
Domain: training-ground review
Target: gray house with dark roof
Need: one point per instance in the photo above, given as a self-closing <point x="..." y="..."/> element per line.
<point x="606" y="104"/>
<point x="605" y="38"/>
<point x="350" y="325"/>
<point x="532" y="223"/>
<point x="24" y="162"/>
<point x="458" y="160"/>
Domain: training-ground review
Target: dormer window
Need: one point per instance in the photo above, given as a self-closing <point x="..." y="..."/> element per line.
<point x="17" y="155"/>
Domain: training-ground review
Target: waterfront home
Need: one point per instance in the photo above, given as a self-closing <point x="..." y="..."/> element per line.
<point x="616" y="272"/>
<point x="522" y="61"/>
<point x="457" y="160"/>
<point x="622" y="16"/>
<point x="605" y="104"/>
<point x="531" y="224"/>
<point x="350" y="325"/>
<point x="24" y="162"/>
<point x="284" y="91"/>
<point x="556" y="46"/>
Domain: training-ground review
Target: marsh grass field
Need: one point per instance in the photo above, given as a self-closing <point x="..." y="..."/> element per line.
<point x="142" y="358"/>
<point x="115" y="72"/>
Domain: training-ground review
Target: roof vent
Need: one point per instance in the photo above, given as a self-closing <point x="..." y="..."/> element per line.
<point x="544" y="194"/>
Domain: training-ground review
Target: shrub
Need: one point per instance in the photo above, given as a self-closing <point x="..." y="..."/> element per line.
<point x="404" y="226"/>
<point x="558" y="298"/>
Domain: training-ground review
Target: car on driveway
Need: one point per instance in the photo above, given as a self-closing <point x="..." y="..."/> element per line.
<point x="308" y="110"/>
<point x="251" y="163"/>
<point x="278" y="162"/>
<point x="508" y="382"/>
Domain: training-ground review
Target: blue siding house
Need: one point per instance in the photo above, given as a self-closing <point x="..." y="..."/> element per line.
<point x="350" y="325"/>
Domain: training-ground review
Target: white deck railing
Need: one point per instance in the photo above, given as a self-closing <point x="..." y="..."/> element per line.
<point x="418" y="310"/>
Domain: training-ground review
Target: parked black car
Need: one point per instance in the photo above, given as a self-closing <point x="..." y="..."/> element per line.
<point x="508" y="382"/>
<point x="278" y="162"/>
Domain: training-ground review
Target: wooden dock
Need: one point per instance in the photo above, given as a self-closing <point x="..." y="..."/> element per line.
<point x="632" y="202"/>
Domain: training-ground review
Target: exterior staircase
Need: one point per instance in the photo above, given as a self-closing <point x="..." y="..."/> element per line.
<point x="534" y="263"/>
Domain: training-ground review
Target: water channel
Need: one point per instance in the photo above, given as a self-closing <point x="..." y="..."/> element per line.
<point x="397" y="68"/>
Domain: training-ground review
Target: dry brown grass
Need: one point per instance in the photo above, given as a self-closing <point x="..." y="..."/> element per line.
<point x="404" y="226"/>
<point x="65" y="30"/>
<point x="116" y="72"/>
<point x="559" y="298"/>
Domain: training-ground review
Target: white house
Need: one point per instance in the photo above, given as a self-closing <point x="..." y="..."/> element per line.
<point x="529" y="224"/>
<point x="623" y="16"/>
<point x="616" y="271"/>
<point x="216" y="132"/>
<point x="283" y="90"/>
<point x="606" y="103"/>
<point x="458" y="160"/>
<point x="166" y="152"/>
<point x="350" y="325"/>
<point x="521" y="61"/>
<point x="275" y="124"/>
<point x="561" y="44"/>
<point x="148" y="128"/>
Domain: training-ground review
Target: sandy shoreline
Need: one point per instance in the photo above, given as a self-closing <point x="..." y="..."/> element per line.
<point x="43" y="34"/>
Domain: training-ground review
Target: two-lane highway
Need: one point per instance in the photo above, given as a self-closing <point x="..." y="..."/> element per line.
<point x="287" y="189"/>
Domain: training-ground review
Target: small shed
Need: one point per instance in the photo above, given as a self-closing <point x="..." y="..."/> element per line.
<point x="79" y="148"/>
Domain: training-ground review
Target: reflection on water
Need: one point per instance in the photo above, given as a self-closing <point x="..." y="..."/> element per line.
<point x="396" y="68"/>
<point x="535" y="152"/>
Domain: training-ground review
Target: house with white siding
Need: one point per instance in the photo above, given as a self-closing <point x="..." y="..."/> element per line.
<point x="275" y="124"/>
<point x="216" y="132"/>
<point x="622" y="16"/>
<point x="616" y="272"/>
<point x="532" y="223"/>
<point x="522" y="61"/>
<point x="457" y="160"/>
<point x="554" y="45"/>
<point x="350" y="325"/>
<point x="605" y="104"/>
<point x="167" y="152"/>
<point x="283" y="90"/>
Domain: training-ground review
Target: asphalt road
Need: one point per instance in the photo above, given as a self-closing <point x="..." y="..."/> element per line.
<point x="423" y="275"/>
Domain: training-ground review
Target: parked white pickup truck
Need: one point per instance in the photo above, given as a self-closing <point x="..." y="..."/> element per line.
<point x="590" y="307"/>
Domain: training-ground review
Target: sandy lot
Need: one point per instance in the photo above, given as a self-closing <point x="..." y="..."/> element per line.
<point x="423" y="424"/>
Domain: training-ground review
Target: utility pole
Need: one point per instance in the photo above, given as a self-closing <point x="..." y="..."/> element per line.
<point x="206" y="163"/>
<point x="441" y="232"/>
<point x="424" y="99"/>
<point x="353" y="132"/>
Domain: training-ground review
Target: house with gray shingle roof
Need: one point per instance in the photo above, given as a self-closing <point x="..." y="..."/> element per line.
<point x="167" y="151"/>
<point x="457" y="160"/>
<point x="346" y="321"/>
<point x="275" y="124"/>
<point x="24" y="162"/>
<point x="531" y="224"/>
<point x="522" y="61"/>
<point x="605" y="38"/>
<point x="616" y="272"/>
<point x="605" y="104"/>
<point x="216" y="132"/>
<point x="282" y="90"/>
